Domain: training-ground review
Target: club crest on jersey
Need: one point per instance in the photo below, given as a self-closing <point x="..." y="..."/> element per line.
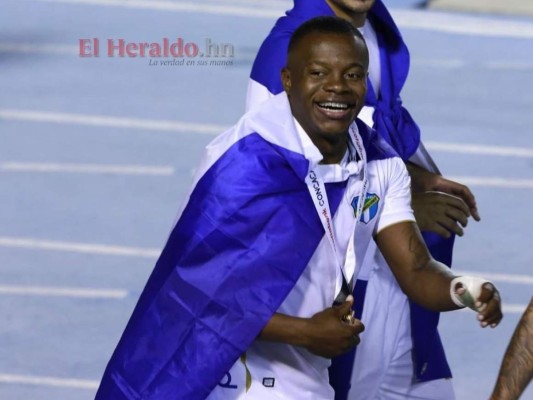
<point x="370" y="208"/>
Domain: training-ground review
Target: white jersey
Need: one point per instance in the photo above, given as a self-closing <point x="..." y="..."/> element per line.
<point x="270" y="370"/>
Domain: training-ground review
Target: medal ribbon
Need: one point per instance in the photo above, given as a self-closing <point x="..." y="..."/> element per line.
<point x="317" y="189"/>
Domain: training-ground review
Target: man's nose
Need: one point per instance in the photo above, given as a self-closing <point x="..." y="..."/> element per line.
<point x="336" y="82"/>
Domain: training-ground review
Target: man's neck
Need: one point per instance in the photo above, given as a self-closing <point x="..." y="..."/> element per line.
<point x="356" y="19"/>
<point x="332" y="152"/>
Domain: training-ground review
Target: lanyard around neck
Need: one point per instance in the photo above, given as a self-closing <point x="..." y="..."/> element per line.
<point x="317" y="189"/>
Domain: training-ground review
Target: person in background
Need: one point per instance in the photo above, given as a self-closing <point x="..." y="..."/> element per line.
<point x="516" y="370"/>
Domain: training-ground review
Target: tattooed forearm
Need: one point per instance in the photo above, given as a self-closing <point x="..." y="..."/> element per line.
<point x="417" y="246"/>
<point x="516" y="370"/>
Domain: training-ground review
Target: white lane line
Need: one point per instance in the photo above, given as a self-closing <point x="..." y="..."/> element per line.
<point x="513" y="308"/>
<point x="509" y="66"/>
<point x="87" y="168"/>
<point x="211" y="129"/>
<point x="88" y="248"/>
<point x="243" y="55"/>
<point x="183" y="6"/>
<point x="114" y="122"/>
<point x="438" y="63"/>
<point x="49" y="381"/>
<point x="457" y="64"/>
<point x="414" y="19"/>
<point x="469" y="148"/>
<point x="455" y="23"/>
<point x="498" y="277"/>
<point x="50" y="291"/>
<point x="146" y="252"/>
<point x="32" y="48"/>
<point x="506" y="308"/>
<point x="493" y="182"/>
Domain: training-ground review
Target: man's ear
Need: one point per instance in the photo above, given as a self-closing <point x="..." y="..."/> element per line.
<point x="286" y="79"/>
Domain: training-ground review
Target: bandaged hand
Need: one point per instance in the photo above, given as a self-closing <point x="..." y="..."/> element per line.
<point x="479" y="295"/>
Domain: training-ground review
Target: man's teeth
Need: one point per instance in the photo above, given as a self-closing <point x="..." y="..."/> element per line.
<point x="334" y="106"/>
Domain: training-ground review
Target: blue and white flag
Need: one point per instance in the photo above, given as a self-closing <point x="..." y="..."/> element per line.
<point x="246" y="233"/>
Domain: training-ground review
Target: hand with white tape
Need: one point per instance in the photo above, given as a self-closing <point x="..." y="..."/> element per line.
<point x="479" y="295"/>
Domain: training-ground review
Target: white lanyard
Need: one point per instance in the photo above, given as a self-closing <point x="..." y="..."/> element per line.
<point x="317" y="189"/>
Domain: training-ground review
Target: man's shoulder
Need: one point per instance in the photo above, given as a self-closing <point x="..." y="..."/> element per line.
<point x="263" y="140"/>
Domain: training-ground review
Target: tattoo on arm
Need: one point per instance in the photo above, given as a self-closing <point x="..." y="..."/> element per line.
<point x="417" y="247"/>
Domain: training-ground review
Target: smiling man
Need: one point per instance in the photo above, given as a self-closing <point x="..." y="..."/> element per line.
<point x="401" y="356"/>
<point x="251" y="297"/>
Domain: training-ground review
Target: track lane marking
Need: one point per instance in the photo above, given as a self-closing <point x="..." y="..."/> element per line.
<point x="14" y="166"/>
<point x="57" y="291"/>
<point x="49" y="381"/>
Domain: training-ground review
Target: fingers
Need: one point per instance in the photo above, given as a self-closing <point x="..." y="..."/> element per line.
<point x="468" y="197"/>
<point x="456" y="218"/>
<point x="461" y="191"/>
<point x="357" y="327"/>
<point x="345" y="307"/>
<point x="459" y="289"/>
<point x="441" y="213"/>
<point x="450" y="225"/>
<point x="489" y="306"/>
<point x="475" y="214"/>
<point x="344" y="311"/>
<point x="440" y="230"/>
<point x="355" y="340"/>
<point x="458" y="214"/>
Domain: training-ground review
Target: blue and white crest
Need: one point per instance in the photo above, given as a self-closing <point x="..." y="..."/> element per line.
<point x="370" y="208"/>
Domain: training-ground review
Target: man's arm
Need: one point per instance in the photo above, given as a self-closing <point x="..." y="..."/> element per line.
<point x="325" y="334"/>
<point x="516" y="370"/>
<point x="427" y="281"/>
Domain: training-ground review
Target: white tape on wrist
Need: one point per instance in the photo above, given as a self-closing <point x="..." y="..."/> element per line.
<point x="472" y="285"/>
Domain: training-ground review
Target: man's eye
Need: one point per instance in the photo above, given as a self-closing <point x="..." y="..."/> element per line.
<point x="317" y="73"/>
<point x="354" y="76"/>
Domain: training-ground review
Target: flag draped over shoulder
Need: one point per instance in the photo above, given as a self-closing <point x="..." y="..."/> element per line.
<point x="244" y="237"/>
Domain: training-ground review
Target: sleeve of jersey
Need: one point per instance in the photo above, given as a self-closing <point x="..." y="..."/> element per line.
<point x="397" y="197"/>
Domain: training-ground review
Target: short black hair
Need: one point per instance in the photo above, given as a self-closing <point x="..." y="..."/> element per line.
<point x="334" y="25"/>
